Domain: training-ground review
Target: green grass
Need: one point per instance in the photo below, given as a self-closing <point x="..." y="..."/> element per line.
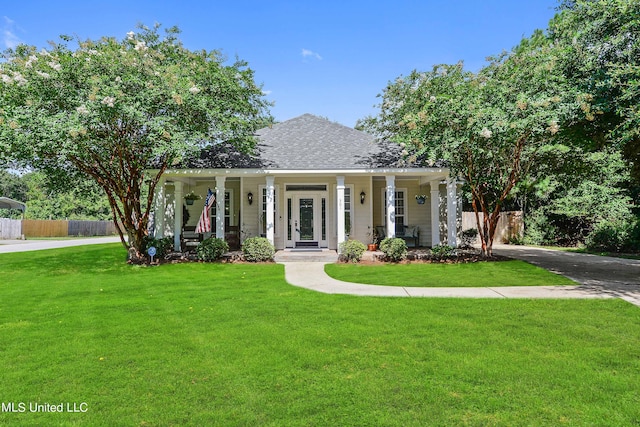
<point x="481" y="274"/>
<point x="227" y="345"/>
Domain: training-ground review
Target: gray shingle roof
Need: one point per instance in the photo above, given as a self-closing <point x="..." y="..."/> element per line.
<point x="306" y="142"/>
<point x="311" y="142"/>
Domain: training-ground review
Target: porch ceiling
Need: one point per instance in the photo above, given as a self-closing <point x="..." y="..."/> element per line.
<point x="423" y="174"/>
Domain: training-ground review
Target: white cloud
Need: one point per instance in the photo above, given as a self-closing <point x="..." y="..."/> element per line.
<point x="266" y="92"/>
<point x="9" y="38"/>
<point x="306" y="53"/>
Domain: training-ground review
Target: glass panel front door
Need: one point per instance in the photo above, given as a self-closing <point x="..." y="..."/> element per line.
<point x="306" y="220"/>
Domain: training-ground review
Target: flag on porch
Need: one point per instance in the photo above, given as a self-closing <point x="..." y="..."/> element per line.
<point x="204" y="225"/>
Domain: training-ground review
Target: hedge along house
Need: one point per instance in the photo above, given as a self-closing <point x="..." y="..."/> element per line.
<point x="311" y="183"/>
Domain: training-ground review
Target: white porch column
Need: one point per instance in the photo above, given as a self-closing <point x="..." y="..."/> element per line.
<point x="435" y="213"/>
<point x="452" y="213"/>
<point x="177" y="215"/>
<point x="220" y="206"/>
<point x="391" y="206"/>
<point x="160" y="209"/>
<point x="340" y="205"/>
<point x="270" y="219"/>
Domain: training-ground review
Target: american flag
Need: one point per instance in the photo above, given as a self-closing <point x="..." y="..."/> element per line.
<point x="204" y="225"/>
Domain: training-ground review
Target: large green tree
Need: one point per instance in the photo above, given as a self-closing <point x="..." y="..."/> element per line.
<point x="114" y="109"/>
<point x="488" y="127"/>
<point x="598" y="47"/>
<point x="82" y="201"/>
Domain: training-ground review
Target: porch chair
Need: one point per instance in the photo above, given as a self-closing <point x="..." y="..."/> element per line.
<point x="410" y="234"/>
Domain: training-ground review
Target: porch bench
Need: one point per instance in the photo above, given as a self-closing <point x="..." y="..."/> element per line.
<point x="410" y="234"/>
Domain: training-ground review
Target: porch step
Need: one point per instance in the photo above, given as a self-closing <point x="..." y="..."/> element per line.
<point x="306" y="255"/>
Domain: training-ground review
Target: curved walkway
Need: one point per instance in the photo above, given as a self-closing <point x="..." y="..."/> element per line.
<point x="311" y="275"/>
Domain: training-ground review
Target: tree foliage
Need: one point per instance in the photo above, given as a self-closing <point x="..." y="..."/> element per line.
<point x="488" y="127"/>
<point x="598" y="44"/>
<point x="115" y="109"/>
<point x="13" y="187"/>
<point x="558" y="111"/>
<point x="83" y="201"/>
<point x="571" y="191"/>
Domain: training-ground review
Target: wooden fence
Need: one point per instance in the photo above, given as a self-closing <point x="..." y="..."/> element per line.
<point x="44" y="228"/>
<point x="15" y="229"/>
<point x="510" y="225"/>
<point x="91" y="228"/>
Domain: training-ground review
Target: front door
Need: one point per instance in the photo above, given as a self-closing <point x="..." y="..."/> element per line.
<point x="306" y="216"/>
<point x="306" y="222"/>
<point x="307" y="232"/>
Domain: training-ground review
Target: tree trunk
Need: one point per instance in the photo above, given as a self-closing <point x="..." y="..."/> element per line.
<point x="486" y="227"/>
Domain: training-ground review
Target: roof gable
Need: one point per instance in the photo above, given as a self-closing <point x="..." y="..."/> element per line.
<point x="306" y="142"/>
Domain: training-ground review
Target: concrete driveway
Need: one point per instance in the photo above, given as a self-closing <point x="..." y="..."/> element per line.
<point x="616" y="276"/>
<point x="7" y="246"/>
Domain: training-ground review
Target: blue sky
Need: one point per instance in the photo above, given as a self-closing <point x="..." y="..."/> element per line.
<point x="329" y="58"/>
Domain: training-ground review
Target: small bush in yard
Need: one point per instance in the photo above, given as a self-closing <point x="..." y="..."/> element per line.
<point x="352" y="250"/>
<point x="394" y="248"/>
<point x="442" y="250"/>
<point x="163" y="245"/>
<point x="212" y="249"/>
<point x="258" y="249"/>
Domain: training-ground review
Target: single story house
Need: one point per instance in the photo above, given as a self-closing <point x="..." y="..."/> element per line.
<point x="310" y="183"/>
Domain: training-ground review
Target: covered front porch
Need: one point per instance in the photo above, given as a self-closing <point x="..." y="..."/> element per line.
<point x="310" y="209"/>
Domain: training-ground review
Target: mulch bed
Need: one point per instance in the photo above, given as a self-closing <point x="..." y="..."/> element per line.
<point x="182" y="257"/>
<point x="459" y="256"/>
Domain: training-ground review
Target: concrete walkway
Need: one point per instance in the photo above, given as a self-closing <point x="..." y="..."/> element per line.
<point x="310" y="275"/>
<point x="7" y="246"/>
<point x="600" y="277"/>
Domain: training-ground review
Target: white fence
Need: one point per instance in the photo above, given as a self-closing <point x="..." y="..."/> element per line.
<point x="10" y="228"/>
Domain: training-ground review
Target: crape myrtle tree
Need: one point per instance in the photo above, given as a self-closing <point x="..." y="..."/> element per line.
<point x="488" y="127"/>
<point x="114" y="109"/>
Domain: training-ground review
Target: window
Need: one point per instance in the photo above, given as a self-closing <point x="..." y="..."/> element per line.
<point x="263" y="210"/>
<point x="347" y="210"/>
<point x="324" y="219"/>
<point x="306" y="187"/>
<point x="401" y="209"/>
<point x="228" y="208"/>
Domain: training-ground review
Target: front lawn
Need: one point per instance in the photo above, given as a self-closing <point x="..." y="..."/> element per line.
<point x="479" y="274"/>
<point x="213" y="344"/>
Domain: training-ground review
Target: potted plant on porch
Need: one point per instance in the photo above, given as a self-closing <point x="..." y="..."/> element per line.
<point x="190" y="197"/>
<point x="373" y="246"/>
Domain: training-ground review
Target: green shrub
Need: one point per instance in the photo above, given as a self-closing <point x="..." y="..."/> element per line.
<point x="516" y="240"/>
<point x="394" y="248"/>
<point x="163" y="246"/>
<point x="469" y="236"/>
<point x="611" y="237"/>
<point x="258" y="249"/>
<point x="539" y="230"/>
<point x="352" y="250"/>
<point x="212" y="249"/>
<point x="442" y="250"/>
